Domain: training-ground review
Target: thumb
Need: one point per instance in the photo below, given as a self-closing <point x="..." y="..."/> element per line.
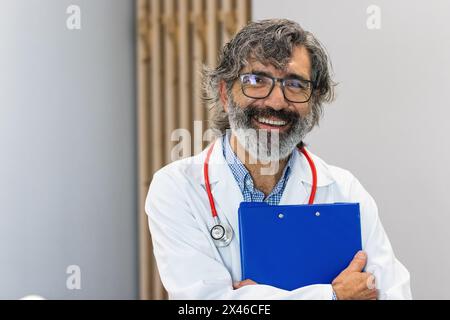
<point x="358" y="263"/>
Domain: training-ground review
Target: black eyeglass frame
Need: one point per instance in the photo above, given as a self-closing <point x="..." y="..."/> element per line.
<point x="274" y="80"/>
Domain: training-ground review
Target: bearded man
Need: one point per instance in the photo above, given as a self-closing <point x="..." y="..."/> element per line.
<point x="266" y="95"/>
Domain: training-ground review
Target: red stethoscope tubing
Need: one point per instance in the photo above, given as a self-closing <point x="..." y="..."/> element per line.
<point x="314" y="175"/>
<point x="208" y="187"/>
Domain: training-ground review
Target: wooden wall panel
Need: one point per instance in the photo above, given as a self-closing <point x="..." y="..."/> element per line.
<point x="175" y="39"/>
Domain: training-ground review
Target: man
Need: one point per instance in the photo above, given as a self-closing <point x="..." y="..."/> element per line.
<point x="269" y="87"/>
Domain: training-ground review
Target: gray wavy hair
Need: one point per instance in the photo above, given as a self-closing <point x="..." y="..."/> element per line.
<point x="268" y="41"/>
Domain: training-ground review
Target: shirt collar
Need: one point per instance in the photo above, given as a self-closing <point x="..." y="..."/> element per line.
<point x="241" y="173"/>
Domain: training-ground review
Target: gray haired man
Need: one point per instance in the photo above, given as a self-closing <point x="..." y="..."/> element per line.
<point x="266" y="95"/>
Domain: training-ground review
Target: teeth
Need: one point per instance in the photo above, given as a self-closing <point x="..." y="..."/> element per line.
<point x="272" y="122"/>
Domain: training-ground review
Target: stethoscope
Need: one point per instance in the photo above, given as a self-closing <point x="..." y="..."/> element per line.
<point x="222" y="233"/>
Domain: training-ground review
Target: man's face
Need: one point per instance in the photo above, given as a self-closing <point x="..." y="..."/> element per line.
<point x="279" y="124"/>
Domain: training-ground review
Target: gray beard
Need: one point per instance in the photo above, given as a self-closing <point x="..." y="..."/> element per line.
<point x="267" y="145"/>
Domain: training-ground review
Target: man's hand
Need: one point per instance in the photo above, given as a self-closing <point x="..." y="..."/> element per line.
<point x="243" y="283"/>
<point x="353" y="284"/>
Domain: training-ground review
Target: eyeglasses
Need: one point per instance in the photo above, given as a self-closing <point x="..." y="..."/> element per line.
<point x="258" y="86"/>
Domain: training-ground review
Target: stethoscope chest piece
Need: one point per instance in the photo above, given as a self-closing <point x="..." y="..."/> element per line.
<point x="221" y="233"/>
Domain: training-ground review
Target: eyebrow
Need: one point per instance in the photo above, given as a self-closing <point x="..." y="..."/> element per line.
<point x="289" y="75"/>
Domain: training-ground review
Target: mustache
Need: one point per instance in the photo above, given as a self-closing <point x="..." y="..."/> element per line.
<point x="285" y="115"/>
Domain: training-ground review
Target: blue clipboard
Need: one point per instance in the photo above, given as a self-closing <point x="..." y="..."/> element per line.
<point x="292" y="246"/>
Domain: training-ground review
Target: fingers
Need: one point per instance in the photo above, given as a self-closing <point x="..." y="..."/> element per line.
<point x="356" y="286"/>
<point x="368" y="287"/>
<point x="246" y="282"/>
<point x="372" y="287"/>
<point x="370" y="282"/>
<point x="358" y="263"/>
<point x="371" y="294"/>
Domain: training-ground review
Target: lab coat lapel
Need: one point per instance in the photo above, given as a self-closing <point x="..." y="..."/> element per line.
<point x="299" y="185"/>
<point x="225" y="190"/>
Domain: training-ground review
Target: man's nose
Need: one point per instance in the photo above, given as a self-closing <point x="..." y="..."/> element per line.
<point x="276" y="98"/>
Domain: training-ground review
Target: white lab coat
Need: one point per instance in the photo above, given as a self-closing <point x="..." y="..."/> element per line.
<point x="192" y="267"/>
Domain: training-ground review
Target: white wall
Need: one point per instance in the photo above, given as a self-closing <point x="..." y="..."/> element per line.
<point x="67" y="145"/>
<point x="389" y="125"/>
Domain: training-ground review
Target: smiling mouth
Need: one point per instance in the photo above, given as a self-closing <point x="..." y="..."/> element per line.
<point x="271" y="123"/>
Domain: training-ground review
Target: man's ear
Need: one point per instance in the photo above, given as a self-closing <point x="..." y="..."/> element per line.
<point x="223" y="95"/>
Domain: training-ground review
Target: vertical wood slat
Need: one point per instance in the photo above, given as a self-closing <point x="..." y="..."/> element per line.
<point x="198" y="57"/>
<point x="144" y="166"/>
<point x="170" y="81"/>
<point x="156" y="99"/>
<point x="169" y="91"/>
<point x="212" y="28"/>
<point x="228" y="20"/>
<point x="157" y="145"/>
<point x="243" y="13"/>
<point x="184" y="62"/>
